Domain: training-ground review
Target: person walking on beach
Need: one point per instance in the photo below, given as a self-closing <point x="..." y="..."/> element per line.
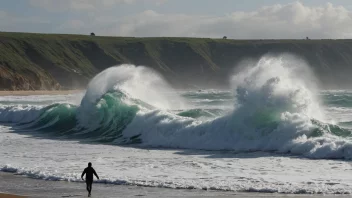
<point x="89" y="171"/>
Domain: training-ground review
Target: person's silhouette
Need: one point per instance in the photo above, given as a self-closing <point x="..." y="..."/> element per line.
<point x="89" y="171"/>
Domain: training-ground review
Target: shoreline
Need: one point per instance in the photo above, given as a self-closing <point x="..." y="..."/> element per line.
<point x="5" y="195"/>
<point x="39" y="92"/>
<point x="19" y="186"/>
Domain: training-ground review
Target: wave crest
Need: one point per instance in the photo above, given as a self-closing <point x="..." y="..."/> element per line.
<point x="274" y="110"/>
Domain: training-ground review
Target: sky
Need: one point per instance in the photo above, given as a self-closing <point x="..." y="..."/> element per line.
<point x="236" y="19"/>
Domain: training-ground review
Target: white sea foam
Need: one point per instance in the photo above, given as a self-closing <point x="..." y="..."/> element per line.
<point x="274" y="110"/>
<point x="136" y="82"/>
<point x="217" y="170"/>
<point x="41" y="99"/>
<point x="19" y="113"/>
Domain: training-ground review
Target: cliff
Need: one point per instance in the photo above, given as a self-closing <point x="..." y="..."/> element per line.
<point x="51" y="61"/>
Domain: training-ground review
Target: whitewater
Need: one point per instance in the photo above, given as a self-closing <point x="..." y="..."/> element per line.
<point x="273" y="131"/>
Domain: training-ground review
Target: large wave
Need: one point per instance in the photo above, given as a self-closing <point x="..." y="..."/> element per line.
<point x="276" y="109"/>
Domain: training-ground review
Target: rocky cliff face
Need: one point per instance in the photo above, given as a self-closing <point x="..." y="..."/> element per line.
<point x="40" y="61"/>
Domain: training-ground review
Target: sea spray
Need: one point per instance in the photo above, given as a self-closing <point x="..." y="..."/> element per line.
<point x="280" y="82"/>
<point x="137" y="82"/>
<point x="134" y="83"/>
<point x="274" y="110"/>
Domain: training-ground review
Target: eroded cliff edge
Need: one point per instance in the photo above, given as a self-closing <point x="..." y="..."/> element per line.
<point x="51" y="61"/>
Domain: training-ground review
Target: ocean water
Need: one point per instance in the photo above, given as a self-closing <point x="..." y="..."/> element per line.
<point x="273" y="131"/>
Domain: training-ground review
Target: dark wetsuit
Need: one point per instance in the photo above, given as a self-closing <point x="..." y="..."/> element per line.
<point x="89" y="171"/>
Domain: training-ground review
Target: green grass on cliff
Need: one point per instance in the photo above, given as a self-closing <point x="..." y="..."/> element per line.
<point x="45" y="60"/>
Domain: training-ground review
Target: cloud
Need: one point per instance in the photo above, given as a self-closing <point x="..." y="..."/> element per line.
<point x="72" y="25"/>
<point x="84" y="5"/>
<point x="294" y="20"/>
<point x="2" y="14"/>
<point x="10" y="20"/>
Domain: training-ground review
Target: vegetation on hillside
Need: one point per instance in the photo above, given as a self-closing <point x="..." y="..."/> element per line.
<point x="53" y="61"/>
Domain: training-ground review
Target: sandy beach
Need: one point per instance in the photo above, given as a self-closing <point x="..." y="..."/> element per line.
<point x="4" y="195"/>
<point x="27" y="187"/>
<point x="38" y="92"/>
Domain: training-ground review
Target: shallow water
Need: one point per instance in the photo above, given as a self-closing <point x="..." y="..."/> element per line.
<point x="272" y="132"/>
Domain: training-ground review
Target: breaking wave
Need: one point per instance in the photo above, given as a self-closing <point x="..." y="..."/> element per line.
<point x="275" y="109"/>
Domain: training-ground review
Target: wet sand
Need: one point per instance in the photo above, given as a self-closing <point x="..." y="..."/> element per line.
<point x="38" y="92"/>
<point x="3" y="195"/>
<point x="20" y="185"/>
